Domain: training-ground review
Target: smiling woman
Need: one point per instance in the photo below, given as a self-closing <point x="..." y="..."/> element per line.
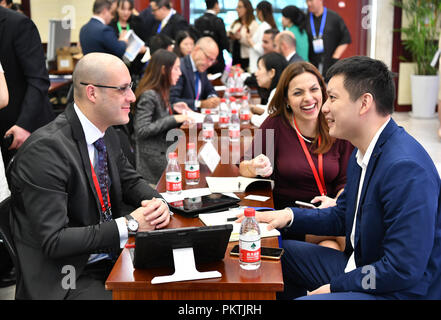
<point x="308" y="164"/>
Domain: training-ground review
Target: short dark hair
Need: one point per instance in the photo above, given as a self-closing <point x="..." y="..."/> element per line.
<point x="159" y="41"/>
<point x="210" y="3"/>
<point x="366" y="75"/>
<point x="297" y="16"/>
<point x="162" y="3"/>
<point x="100" y="5"/>
<point x="276" y="61"/>
<point x="273" y="32"/>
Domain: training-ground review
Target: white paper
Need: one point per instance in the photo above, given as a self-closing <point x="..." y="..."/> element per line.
<point x="199" y="117"/>
<point x="146" y="57"/>
<point x="134" y="45"/>
<point x="231" y="184"/>
<point x="189" y="193"/>
<point x="231" y="195"/>
<point x="220" y="218"/>
<point x="257" y="198"/>
<point x="209" y="156"/>
<point x="220" y="88"/>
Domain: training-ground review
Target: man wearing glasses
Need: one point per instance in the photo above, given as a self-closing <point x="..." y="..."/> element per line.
<point x="72" y="188"/>
<point x="193" y="87"/>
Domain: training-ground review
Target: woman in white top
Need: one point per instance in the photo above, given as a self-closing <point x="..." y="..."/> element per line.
<point x="4" y="100"/>
<point x="269" y="69"/>
<point x="264" y="11"/>
<point x="245" y="26"/>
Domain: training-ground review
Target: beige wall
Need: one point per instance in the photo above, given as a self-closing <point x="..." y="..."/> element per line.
<point x="79" y="11"/>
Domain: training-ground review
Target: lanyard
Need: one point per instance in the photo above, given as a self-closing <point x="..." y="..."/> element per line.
<point x="322" y="24"/>
<point x="98" y="191"/>
<point x="118" y="25"/>
<point x="319" y="180"/>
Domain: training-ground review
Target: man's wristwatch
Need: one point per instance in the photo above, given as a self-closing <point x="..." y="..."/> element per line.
<point x="132" y="224"/>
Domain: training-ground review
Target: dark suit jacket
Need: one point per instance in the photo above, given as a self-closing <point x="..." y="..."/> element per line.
<point x="184" y="90"/>
<point x="175" y="24"/>
<point x="398" y="229"/>
<point x="98" y="37"/>
<point x="55" y="209"/>
<point x="295" y="58"/>
<point x="22" y="58"/>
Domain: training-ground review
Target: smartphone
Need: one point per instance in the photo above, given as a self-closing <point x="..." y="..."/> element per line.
<point x="265" y="252"/>
<point x="306" y="204"/>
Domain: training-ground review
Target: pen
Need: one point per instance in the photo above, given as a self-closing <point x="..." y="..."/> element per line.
<point x="231" y="219"/>
<point x="238" y="185"/>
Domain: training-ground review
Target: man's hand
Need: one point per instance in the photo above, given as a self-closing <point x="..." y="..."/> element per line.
<point x="210" y="103"/>
<point x="323" y="289"/>
<point x="326" y="202"/>
<point x="153" y="214"/>
<point x="20" y="136"/>
<point x="275" y="219"/>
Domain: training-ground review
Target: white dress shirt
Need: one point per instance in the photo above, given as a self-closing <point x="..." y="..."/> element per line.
<point x="92" y="134"/>
<point x="362" y="161"/>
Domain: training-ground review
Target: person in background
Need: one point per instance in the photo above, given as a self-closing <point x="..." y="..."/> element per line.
<point x="389" y="211"/>
<point x="269" y="69"/>
<point x="97" y="36"/>
<point x="161" y="41"/>
<point x="7" y="276"/>
<point x="328" y="45"/>
<point x="294" y="20"/>
<point x="184" y="44"/>
<point x="209" y="24"/>
<point x="300" y="132"/>
<point x="264" y="12"/>
<point x="168" y="21"/>
<point x="268" y="40"/>
<point x="74" y="191"/>
<point x="286" y="45"/>
<point x="244" y="27"/>
<point x="17" y="7"/>
<point x="193" y="87"/>
<point x="153" y="114"/>
<point x="124" y="21"/>
<point x="6" y="3"/>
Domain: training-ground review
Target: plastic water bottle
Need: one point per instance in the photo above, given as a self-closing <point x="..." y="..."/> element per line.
<point x="231" y="85"/>
<point x="249" y="241"/>
<point x="192" y="172"/>
<point x="234" y="127"/>
<point x="208" y="127"/>
<point x="173" y="176"/>
<point x="233" y="105"/>
<point x="224" y="114"/>
<point x="245" y="114"/>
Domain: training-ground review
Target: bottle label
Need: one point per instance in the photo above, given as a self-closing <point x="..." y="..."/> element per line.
<point x="224" y="119"/>
<point x="173" y="181"/>
<point x="207" y="130"/>
<point x="245" y="116"/>
<point x="249" y="251"/>
<point x="234" y="131"/>
<point x="192" y="171"/>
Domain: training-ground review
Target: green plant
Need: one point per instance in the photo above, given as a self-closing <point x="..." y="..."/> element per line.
<point x="422" y="32"/>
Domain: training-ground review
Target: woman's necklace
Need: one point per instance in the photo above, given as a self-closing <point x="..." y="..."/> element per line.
<point x="298" y="131"/>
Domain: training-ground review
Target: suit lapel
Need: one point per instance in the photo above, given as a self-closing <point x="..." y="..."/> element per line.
<point x="373" y="161"/>
<point x="78" y="135"/>
<point x="190" y="74"/>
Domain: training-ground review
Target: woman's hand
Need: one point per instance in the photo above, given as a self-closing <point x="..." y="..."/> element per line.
<point x="180" y="118"/>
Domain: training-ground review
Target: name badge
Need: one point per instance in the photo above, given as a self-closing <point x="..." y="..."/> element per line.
<point x="318" y="45"/>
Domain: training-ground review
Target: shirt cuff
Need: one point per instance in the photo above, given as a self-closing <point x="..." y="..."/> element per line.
<point x="123" y="231"/>
<point x="1" y="68"/>
<point x="292" y="217"/>
<point x="197" y="103"/>
<point x="163" y="200"/>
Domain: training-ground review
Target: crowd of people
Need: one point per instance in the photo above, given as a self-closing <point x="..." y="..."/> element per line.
<point x="73" y="190"/>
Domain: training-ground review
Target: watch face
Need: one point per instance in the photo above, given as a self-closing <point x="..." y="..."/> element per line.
<point x="132" y="225"/>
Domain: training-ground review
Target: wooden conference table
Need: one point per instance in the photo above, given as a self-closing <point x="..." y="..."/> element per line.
<point x="128" y="283"/>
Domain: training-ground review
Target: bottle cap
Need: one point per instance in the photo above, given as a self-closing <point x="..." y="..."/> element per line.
<point x="191" y="145"/>
<point x="172" y="155"/>
<point x="249" y="212"/>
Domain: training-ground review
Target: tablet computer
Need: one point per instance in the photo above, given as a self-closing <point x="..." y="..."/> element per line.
<point x="154" y="249"/>
<point x="191" y="207"/>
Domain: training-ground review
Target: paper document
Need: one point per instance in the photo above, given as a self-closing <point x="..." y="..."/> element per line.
<point x="256" y="198"/>
<point x="219" y="218"/>
<point x="199" y="117"/>
<point x="214" y="76"/>
<point x="134" y="45"/>
<point x="233" y="184"/>
<point x="189" y="193"/>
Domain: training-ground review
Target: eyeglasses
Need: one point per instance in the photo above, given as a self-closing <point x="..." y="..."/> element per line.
<point x="121" y="89"/>
<point x="210" y="60"/>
